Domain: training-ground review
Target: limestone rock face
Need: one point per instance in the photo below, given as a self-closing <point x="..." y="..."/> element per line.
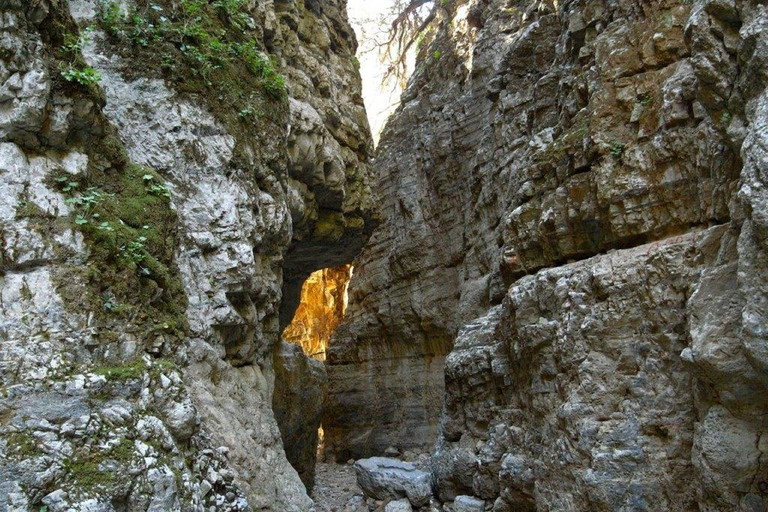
<point x="573" y="224"/>
<point x="402" y="505"/>
<point x="529" y="136"/>
<point x="580" y="390"/>
<point x="468" y="504"/>
<point x="162" y="194"/>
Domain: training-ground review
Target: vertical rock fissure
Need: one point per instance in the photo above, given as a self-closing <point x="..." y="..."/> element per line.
<point x="300" y="376"/>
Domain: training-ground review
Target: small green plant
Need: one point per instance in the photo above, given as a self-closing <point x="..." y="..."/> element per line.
<point x="136" y="251"/>
<point x="87" y="76"/>
<point x="127" y="371"/>
<point x="263" y="68"/>
<point x="274" y="86"/>
<point x="85" y="203"/>
<point x="668" y="19"/>
<point x="437" y="54"/>
<point x="74" y="44"/>
<point x="251" y="112"/>
<point x="617" y="149"/>
<point x="109" y="303"/>
<point x="140" y="30"/>
<point x="421" y="41"/>
<point x="110" y="17"/>
<point x="87" y="200"/>
<point x="65" y="185"/>
<point x="156" y="189"/>
<point x="192" y="7"/>
<point x="232" y="9"/>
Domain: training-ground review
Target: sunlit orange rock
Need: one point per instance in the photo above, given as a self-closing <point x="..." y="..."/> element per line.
<point x="323" y="302"/>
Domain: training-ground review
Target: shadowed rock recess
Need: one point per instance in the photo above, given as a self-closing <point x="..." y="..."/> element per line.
<point x="560" y="258"/>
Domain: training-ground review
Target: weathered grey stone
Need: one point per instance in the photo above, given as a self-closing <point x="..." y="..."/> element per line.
<point x="468" y="504"/>
<point x="383" y="478"/>
<point x="543" y="133"/>
<point x="300" y="387"/>
<point x="402" y="505"/>
<point x="581" y="186"/>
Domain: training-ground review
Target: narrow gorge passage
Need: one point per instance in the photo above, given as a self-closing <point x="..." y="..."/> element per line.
<point x="530" y="274"/>
<point x="325" y="299"/>
<point x="330" y="481"/>
<point x="300" y="375"/>
<point x="565" y="296"/>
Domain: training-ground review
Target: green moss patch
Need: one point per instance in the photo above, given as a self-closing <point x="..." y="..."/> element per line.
<point x="69" y="71"/>
<point x="22" y="445"/>
<point x="85" y="469"/>
<point x="124" y="213"/>
<point x="127" y="371"/>
<point x="206" y="49"/>
<point x="135" y="369"/>
<point x="87" y="475"/>
<point x="29" y="210"/>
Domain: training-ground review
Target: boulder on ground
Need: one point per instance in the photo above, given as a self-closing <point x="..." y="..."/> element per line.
<point x="468" y="504"/>
<point x="384" y="478"/>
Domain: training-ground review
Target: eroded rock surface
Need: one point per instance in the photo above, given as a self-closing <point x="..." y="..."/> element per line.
<point x="300" y="388"/>
<point x="162" y="194"/>
<point x="529" y="136"/>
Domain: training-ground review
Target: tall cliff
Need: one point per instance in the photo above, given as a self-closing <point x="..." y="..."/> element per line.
<point x="169" y="174"/>
<point x="574" y="215"/>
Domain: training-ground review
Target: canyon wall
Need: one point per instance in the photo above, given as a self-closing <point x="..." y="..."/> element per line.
<point x="170" y="173"/>
<point x="573" y="223"/>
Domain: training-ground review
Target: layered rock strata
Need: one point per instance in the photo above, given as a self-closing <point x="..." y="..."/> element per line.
<point x="580" y="185"/>
<point x="169" y="172"/>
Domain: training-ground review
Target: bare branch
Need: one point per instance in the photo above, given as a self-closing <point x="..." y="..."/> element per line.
<point x="409" y="9"/>
<point x="409" y="23"/>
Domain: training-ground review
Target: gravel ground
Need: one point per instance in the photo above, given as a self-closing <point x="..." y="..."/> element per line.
<point x="335" y="487"/>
